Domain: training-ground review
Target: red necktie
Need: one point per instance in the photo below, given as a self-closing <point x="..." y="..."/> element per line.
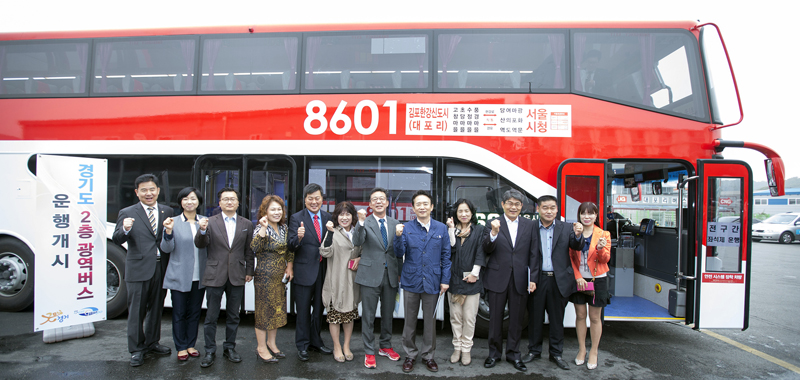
<point x="319" y="235"/>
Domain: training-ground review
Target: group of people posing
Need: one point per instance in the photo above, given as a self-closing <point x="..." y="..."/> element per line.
<point x="334" y="261"/>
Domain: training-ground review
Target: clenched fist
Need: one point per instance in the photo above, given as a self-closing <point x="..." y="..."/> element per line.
<point x="301" y="231"/>
<point x="495" y="227"/>
<point x="203" y="224"/>
<point x="601" y="243"/>
<point x="399" y="230"/>
<point x="362" y="215"/>
<point x="168" y="224"/>
<point x="127" y="223"/>
<point x="578" y="228"/>
<point x="329" y="226"/>
<point x="450" y="223"/>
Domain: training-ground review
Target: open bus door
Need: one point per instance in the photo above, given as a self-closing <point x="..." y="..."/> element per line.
<point x="722" y="281"/>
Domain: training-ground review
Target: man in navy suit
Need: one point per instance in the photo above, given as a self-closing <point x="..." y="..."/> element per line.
<point x="305" y="237"/>
<point x="139" y="226"/>
<point x="556" y="280"/>
<point x="511" y="274"/>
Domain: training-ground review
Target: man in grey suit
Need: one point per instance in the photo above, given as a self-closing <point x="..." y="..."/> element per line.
<point x="139" y="226"/>
<point x="230" y="263"/>
<point x="378" y="273"/>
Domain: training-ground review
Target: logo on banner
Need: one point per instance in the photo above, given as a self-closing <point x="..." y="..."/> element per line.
<point x="54" y="316"/>
<point x="87" y="311"/>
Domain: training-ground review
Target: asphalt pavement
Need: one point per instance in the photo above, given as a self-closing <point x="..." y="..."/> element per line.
<point x="628" y="350"/>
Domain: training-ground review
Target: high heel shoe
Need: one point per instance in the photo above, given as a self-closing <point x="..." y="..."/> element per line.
<point x="591" y="366"/>
<point x="270" y="360"/>
<point x="581" y="360"/>
<point x="279" y="355"/>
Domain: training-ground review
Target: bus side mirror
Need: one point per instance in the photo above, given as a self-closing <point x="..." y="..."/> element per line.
<point x="773" y="184"/>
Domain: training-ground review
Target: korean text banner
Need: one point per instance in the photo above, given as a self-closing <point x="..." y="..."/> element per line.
<point x="510" y="120"/>
<point x="70" y="276"/>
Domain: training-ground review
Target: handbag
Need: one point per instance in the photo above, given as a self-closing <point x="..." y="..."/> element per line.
<point x="589" y="290"/>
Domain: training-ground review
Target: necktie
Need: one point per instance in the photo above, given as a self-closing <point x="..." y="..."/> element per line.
<point x="383" y="233"/>
<point x="151" y="215"/>
<point x="316" y="228"/>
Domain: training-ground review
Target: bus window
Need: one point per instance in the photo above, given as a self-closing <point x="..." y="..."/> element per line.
<point x="43" y="69"/>
<point x="352" y="180"/>
<point x="653" y="70"/>
<point x="249" y="64"/>
<point x="508" y="61"/>
<point x="484" y="189"/>
<point x="139" y="66"/>
<point x="366" y="62"/>
<point x="724" y="235"/>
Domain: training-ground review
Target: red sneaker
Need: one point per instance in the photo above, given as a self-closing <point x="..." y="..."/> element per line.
<point x="389" y="353"/>
<point x="369" y="361"/>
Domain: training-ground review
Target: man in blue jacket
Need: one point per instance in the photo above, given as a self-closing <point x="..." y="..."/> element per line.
<point x="425" y="276"/>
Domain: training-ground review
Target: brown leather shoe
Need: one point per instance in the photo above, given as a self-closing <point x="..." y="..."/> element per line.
<point x="408" y="365"/>
<point x="431" y="365"/>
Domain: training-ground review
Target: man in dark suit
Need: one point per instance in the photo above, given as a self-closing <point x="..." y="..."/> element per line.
<point x="378" y="273"/>
<point x="305" y="237"/>
<point x="556" y="280"/>
<point x="511" y="271"/>
<point x="230" y="264"/>
<point x="139" y="226"/>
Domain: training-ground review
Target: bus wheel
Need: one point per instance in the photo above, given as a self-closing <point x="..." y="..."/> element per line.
<point x="16" y="275"/>
<point x="116" y="288"/>
<point x="786" y="238"/>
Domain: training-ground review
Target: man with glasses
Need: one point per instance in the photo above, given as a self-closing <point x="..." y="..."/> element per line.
<point x="512" y="267"/>
<point x="305" y="238"/>
<point x="554" y="283"/>
<point x="378" y="273"/>
<point x="230" y="264"/>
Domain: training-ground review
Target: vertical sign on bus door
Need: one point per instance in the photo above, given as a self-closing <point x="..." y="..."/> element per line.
<point x="70" y="283"/>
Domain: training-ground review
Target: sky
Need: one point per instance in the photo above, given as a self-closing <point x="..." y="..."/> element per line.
<point x="754" y="36"/>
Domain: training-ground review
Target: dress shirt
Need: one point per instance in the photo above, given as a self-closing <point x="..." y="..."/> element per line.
<point x="546" y="237"/>
<point x="230" y="227"/>
<point x="513" y="226"/>
<point x="155" y="210"/>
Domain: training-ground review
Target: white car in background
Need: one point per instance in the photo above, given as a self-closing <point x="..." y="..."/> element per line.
<point x="784" y="228"/>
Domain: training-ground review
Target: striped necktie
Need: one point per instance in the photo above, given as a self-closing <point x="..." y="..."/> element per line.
<point x="384" y="234"/>
<point x="151" y="215"/>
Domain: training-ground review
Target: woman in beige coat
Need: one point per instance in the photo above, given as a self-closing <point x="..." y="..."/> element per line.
<point x="340" y="294"/>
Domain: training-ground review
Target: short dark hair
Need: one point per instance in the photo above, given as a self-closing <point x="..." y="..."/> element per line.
<point x="312" y="188"/>
<point x="591" y="208"/>
<point x="471" y="207"/>
<point x="262" y="209"/>
<point x="378" y="189"/>
<point x="227" y="189"/>
<point x="547" y="198"/>
<point x="341" y="208"/>
<point x="185" y="193"/>
<point x="419" y="193"/>
<point x="145" y="178"/>
<point x="513" y="193"/>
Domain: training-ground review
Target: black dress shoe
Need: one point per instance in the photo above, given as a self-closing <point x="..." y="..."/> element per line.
<point x="160" y="349"/>
<point x="208" y="360"/>
<point x="518" y="365"/>
<point x="231" y="355"/>
<point x="529" y="357"/>
<point x="489" y="362"/>
<point x="303" y="355"/>
<point x="137" y="359"/>
<point x="559" y="362"/>
<point x="321" y="349"/>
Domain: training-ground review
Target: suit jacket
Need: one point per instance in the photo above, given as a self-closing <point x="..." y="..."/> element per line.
<point x="181" y="262"/>
<point x="598" y="259"/>
<point x="563" y="240"/>
<point x="140" y="261"/>
<point x="227" y="262"/>
<point x="427" y="256"/>
<point x="374" y="255"/>
<point x="502" y="258"/>
<point x="306" y="251"/>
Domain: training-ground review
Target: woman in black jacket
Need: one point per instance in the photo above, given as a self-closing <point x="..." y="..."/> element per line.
<point x="465" y="285"/>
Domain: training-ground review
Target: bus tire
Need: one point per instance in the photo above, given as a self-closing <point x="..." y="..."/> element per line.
<point x="16" y="275"/>
<point x="116" y="288"/>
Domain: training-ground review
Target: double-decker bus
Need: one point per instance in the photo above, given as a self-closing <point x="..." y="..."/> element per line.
<point x="623" y="114"/>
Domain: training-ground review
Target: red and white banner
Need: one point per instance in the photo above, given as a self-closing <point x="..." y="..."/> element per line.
<point x="511" y="120"/>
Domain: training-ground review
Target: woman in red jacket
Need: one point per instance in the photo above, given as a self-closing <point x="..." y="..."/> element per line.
<point x="590" y="265"/>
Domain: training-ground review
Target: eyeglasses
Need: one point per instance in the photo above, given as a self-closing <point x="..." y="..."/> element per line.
<point x="513" y="204"/>
<point x="376" y="200"/>
<point x="226" y="200"/>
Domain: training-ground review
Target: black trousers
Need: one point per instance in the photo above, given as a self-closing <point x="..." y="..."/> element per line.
<point x="309" y="322"/>
<point x="516" y="311"/>
<point x="233" y="302"/>
<point x="186" y="307"/>
<point x="548" y="298"/>
<point x="145" y="305"/>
